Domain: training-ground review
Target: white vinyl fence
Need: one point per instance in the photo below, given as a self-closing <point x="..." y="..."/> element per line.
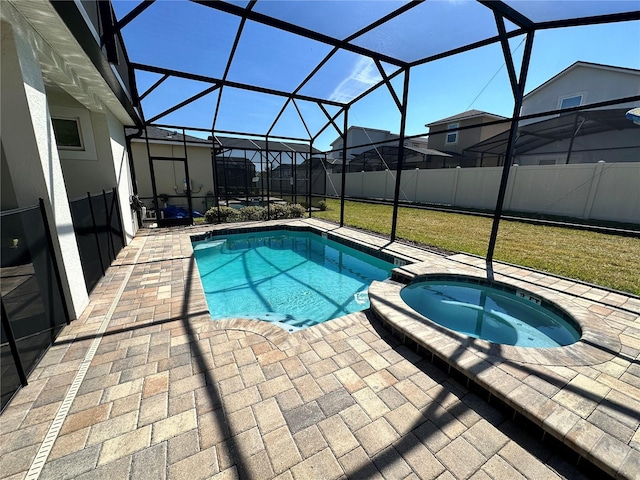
<point x="598" y="191"/>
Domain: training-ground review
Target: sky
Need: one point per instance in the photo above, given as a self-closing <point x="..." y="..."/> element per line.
<point x="185" y="36"/>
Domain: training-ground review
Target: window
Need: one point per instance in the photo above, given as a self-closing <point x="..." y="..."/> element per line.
<point x="569" y="102"/>
<point x="452" y="137"/>
<point x="68" y="133"/>
<point x="73" y="131"/>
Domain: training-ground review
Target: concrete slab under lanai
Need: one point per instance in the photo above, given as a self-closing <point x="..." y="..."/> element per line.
<point x="170" y="394"/>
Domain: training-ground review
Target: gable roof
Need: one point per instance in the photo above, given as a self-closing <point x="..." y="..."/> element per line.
<point x="579" y="64"/>
<point x="164" y="135"/>
<point x="465" y="116"/>
<point x="366" y="130"/>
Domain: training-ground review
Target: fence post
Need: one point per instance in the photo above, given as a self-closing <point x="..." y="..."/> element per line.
<point x="415" y="191"/>
<point x="95" y="233"/>
<point x="511" y="186"/>
<point x="119" y="212"/>
<point x="54" y="261"/>
<point x="593" y="189"/>
<point x="454" y="193"/>
<point x="6" y="324"/>
<point x="109" y="239"/>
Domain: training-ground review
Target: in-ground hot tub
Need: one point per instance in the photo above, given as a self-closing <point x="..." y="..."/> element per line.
<point x="491" y="311"/>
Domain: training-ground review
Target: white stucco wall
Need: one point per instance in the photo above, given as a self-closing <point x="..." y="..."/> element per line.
<point x="31" y="153"/>
<point x="123" y="183"/>
<point x="8" y="201"/>
<point x="104" y="163"/>
<point x="200" y="171"/>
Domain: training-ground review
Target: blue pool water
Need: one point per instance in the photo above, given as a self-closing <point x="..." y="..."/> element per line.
<point x="294" y="279"/>
<point x="489" y="313"/>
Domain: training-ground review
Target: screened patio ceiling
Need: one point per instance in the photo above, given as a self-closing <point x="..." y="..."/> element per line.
<point x="293" y="70"/>
<point x="289" y="69"/>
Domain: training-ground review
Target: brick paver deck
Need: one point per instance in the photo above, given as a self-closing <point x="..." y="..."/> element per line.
<point x="169" y="393"/>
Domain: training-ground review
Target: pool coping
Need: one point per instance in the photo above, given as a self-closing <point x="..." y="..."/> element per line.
<point x="596" y="344"/>
<point x="276" y="332"/>
<point x="494" y="368"/>
<point x="397" y="259"/>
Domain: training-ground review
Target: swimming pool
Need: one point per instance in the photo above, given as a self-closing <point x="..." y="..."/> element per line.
<point x="293" y="279"/>
<point x="491" y="311"/>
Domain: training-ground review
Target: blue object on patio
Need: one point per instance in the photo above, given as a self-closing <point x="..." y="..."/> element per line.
<point x="634" y="115"/>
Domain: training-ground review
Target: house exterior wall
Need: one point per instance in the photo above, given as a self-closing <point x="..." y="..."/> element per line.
<point x="466" y="138"/>
<point x="122" y="171"/>
<point x="30" y="150"/>
<point x="91" y="169"/>
<point x="594" y="83"/>
<point x="33" y="166"/>
<point x="104" y="163"/>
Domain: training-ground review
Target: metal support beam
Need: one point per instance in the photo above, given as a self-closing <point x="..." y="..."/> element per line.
<point x="506" y="51"/>
<point x="119" y="213"/>
<point x="309" y="176"/>
<point x="13" y="346"/>
<point x="344" y="164"/>
<point x="227" y="83"/>
<point x="275" y="120"/>
<point x="186" y="172"/>
<point x="95" y="233"/>
<point x="214" y="172"/>
<point x="332" y="121"/>
<point x="509" y="152"/>
<point x="133" y="13"/>
<point x="108" y="38"/>
<point x="193" y="98"/>
<point x="303" y="32"/>
<point x="228" y="67"/>
<point x="505" y="11"/>
<point x="156" y="204"/>
<point x="573" y="137"/>
<point x="268" y="166"/>
<point x="403" y="124"/>
<point x="153" y="87"/>
<point x="385" y="79"/>
<point x="302" y="118"/>
<point x="109" y="239"/>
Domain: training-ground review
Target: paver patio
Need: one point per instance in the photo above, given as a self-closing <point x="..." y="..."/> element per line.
<point x="144" y="385"/>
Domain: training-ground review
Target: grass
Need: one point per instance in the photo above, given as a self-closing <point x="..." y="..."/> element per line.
<point x="607" y="260"/>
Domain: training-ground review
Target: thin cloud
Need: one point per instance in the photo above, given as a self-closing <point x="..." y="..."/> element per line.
<point x="364" y="75"/>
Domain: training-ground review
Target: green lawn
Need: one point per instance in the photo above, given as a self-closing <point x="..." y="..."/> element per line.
<point x="607" y="260"/>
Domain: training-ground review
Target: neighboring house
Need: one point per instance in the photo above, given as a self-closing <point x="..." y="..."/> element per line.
<point x="65" y="99"/>
<point x="582" y="83"/>
<point x="453" y="135"/>
<point x="417" y="155"/>
<point x="333" y="165"/>
<point x="384" y="152"/>
<point x="584" y="136"/>
<point x="361" y="136"/>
